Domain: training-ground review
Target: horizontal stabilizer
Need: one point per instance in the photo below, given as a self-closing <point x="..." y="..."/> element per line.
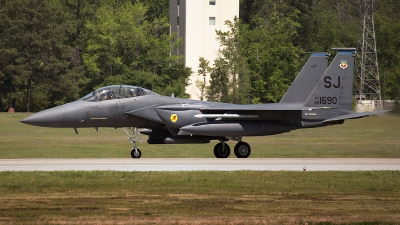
<point x="353" y="116"/>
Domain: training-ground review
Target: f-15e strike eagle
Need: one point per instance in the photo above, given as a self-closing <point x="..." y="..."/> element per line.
<point x="319" y="96"/>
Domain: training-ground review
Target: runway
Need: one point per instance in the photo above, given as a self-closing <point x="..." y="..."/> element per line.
<point x="190" y="164"/>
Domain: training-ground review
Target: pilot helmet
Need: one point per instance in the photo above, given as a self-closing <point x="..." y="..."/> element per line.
<point x="132" y="92"/>
<point x="104" y="95"/>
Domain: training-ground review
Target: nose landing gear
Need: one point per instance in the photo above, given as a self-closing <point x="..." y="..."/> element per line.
<point x="135" y="152"/>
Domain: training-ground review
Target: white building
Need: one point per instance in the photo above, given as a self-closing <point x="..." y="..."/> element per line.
<point x="195" y="21"/>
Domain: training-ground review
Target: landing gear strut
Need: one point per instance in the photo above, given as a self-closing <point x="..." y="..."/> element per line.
<point x="135" y="152"/>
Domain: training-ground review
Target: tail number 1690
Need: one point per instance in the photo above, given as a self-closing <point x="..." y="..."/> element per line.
<point x="325" y="100"/>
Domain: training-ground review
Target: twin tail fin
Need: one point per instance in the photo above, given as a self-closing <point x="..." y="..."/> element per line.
<point x="307" y="78"/>
<point x="334" y="89"/>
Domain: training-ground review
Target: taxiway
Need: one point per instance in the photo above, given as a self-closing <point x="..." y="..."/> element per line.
<point x="202" y="164"/>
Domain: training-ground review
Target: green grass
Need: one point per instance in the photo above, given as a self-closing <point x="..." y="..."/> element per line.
<point x="241" y="197"/>
<point x="371" y="137"/>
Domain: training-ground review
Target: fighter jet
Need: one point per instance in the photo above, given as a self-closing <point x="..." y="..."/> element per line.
<point x="319" y="96"/>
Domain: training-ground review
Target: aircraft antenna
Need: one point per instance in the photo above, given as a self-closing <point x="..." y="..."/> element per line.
<point x="368" y="85"/>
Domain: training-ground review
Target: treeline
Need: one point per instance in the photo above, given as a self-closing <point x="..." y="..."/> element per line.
<point x="54" y="51"/>
<point x="264" y="50"/>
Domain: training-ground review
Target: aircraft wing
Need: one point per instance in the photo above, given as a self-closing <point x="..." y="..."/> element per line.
<point x="353" y="116"/>
<point x="209" y="110"/>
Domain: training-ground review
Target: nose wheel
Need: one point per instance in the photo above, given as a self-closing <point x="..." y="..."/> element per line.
<point x="135" y="152"/>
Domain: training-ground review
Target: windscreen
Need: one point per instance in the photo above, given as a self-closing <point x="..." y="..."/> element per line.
<point x="116" y="92"/>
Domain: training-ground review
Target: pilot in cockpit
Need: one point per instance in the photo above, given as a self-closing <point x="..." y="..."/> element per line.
<point x="132" y="92"/>
<point x="107" y="94"/>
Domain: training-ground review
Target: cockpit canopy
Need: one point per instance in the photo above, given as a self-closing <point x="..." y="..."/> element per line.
<point x="116" y="92"/>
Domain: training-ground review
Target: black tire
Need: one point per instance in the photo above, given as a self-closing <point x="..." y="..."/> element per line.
<point x="136" y="154"/>
<point x="242" y="150"/>
<point x="222" y="153"/>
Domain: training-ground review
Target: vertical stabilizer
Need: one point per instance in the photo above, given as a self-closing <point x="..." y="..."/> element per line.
<point x="307" y="78"/>
<point x="335" y="87"/>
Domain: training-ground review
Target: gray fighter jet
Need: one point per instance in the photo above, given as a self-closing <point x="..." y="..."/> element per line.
<point x="319" y="96"/>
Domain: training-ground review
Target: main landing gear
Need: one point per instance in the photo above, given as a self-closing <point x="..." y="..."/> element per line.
<point x="135" y="152"/>
<point x="241" y="150"/>
<point x="221" y="150"/>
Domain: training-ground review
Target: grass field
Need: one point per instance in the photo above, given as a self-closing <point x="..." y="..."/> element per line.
<point x="371" y="137"/>
<point x="241" y="197"/>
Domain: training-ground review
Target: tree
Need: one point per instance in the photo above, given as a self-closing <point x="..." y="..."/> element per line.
<point x="219" y="78"/>
<point x="249" y="9"/>
<point x="337" y="24"/>
<point x="176" y="78"/>
<point x="53" y="51"/>
<point x="38" y="58"/>
<point x="156" y="9"/>
<point x="272" y="57"/>
<point x="76" y="13"/>
<point x="123" y="46"/>
<point x="387" y="28"/>
<point x="235" y="62"/>
<point x="203" y="70"/>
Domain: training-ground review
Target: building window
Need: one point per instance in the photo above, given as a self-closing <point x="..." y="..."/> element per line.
<point x="212" y="2"/>
<point x="178" y="2"/>
<point x="211" y="21"/>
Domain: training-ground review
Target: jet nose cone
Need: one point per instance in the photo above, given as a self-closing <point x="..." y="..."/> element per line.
<point x="47" y="118"/>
